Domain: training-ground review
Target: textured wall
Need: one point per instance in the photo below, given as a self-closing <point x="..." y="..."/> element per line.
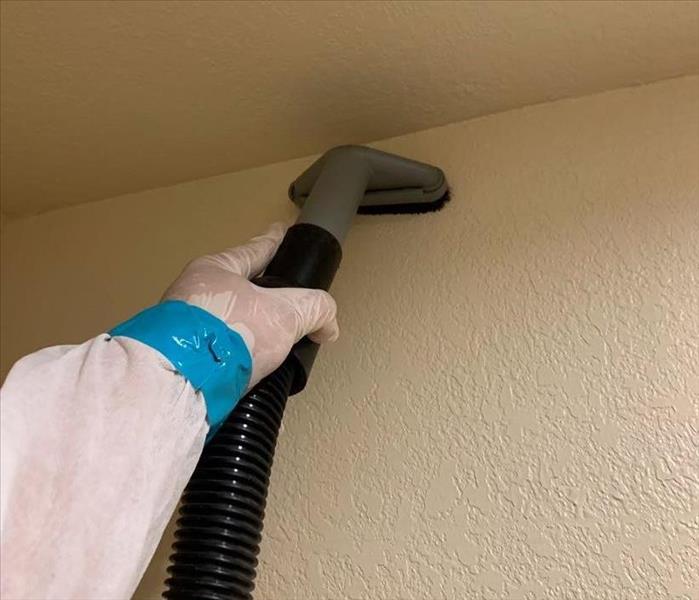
<point x="512" y="409"/>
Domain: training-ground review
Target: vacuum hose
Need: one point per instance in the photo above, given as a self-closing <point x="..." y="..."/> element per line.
<point x="220" y="525"/>
<point x="220" y="519"/>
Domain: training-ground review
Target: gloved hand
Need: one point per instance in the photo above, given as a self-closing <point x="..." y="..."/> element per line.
<point x="270" y="320"/>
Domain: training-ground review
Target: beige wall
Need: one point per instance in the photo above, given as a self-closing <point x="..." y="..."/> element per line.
<point x="512" y="410"/>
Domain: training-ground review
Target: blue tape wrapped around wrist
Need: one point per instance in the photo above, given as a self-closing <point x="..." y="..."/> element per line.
<point x="208" y="353"/>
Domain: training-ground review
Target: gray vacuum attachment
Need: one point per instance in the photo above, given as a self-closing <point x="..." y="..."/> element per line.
<point x="351" y="179"/>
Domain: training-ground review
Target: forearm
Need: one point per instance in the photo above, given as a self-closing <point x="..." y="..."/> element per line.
<point x="98" y="442"/>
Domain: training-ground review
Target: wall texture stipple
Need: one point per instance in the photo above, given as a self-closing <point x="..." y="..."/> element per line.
<point x="512" y="411"/>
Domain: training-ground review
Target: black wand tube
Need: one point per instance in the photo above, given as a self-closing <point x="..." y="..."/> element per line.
<point x="221" y="516"/>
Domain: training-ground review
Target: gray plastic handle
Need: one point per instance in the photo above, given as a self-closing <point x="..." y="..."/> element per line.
<point x="331" y="190"/>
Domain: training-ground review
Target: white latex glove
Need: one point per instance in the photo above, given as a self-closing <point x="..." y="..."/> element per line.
<point x="270" y="320"/>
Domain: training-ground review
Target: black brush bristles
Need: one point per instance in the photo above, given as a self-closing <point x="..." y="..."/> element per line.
<point x="411" y="208"/>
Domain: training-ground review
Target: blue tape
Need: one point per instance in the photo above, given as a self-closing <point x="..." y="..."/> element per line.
<point x="208" y="353"/>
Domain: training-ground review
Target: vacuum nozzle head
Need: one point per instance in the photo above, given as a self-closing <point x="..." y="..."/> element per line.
<point x="351" y="179"/>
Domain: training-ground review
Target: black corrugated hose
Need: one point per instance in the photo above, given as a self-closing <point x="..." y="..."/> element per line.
<point x="220" y="525"/>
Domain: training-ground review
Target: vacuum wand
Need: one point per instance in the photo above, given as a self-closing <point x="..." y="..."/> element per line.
<point x="222" y="511"/>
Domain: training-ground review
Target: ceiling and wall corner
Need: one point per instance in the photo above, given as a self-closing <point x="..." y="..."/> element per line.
<point x="100" y="99"/>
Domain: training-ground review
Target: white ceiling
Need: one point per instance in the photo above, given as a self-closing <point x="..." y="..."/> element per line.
<point x="103" y="98"/>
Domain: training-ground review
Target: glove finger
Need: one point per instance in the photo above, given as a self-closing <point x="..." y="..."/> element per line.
<point x="251" y="258"/>
<point x="317" y="313"/>
<point x="329" y="332"/>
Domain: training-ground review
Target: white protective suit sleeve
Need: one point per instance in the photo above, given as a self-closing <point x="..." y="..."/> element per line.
<point x="98" y="442"/>
<point x="99" y="439"/>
